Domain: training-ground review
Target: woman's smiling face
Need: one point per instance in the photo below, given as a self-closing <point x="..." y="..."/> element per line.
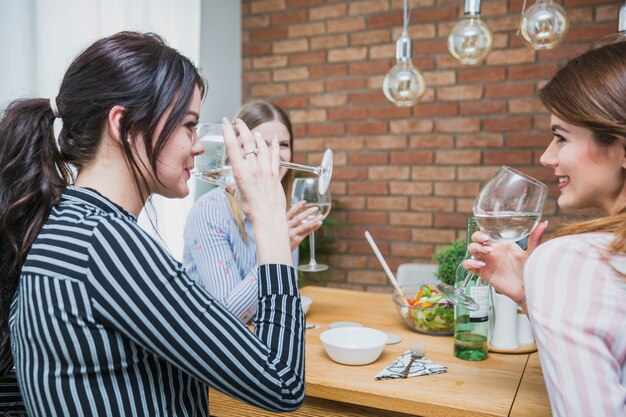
<point x="589" y="175"/>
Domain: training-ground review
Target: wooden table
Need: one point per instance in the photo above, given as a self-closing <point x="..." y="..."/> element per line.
<point x="502" y="385"/>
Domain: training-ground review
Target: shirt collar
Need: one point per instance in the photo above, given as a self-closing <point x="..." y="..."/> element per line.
<point x="91" y="197"/>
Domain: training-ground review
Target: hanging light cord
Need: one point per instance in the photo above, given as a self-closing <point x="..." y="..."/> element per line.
<point x="407" y="17"/>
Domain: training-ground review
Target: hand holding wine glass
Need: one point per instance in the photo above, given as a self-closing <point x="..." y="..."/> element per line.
<point x="307" y="189"/>
<point x="507" y="209"/>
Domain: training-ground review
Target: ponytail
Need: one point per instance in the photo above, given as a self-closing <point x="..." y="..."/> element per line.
<point x="32" y="178"/>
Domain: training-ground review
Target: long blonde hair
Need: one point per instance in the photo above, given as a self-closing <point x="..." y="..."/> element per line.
<point x="590" y="92"/>
<point x="254" y="114"/>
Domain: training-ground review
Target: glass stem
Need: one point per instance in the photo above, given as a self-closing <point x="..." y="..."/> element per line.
<point x="299" y="167"/>
<point x="312" y="248"/>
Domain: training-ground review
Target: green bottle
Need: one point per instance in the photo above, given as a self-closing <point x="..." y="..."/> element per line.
<point x="471" y="327"/>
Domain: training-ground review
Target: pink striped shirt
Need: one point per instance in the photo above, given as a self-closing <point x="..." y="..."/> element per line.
<point x="577" y="306"/>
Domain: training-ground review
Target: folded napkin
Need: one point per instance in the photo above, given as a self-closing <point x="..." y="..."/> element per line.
<point x="418" y="368"/>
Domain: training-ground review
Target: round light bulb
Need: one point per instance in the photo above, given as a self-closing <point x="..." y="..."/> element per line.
<point x="403" y="85"/>
<point x="544" y="25"/>
<point x="470" y="40"/>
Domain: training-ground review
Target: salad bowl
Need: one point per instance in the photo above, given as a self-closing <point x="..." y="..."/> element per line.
<point x="424" y="310"/>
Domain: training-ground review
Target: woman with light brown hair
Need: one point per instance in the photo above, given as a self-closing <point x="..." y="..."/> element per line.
<point x="219" y="248"/>
<point x="573" y="287"/>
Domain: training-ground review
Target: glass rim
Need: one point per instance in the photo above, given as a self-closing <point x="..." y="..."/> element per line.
<point x="523" y="175"/>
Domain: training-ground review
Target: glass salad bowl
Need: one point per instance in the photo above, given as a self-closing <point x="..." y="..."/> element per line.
<point x="424" y="310"/>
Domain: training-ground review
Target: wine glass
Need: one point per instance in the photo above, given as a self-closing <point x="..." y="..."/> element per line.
<point x="307" y="189"/>
<point x="213" y="168"/>
<point x="507" y="209"/>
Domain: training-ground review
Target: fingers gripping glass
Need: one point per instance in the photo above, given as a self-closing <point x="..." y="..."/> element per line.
<point x="507" y="209"/>
<point x="213" y="168"/>
<point x="307" y="189"/>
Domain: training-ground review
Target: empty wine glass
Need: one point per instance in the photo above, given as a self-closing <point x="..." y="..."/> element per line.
<point x="307" y="189"/>
<point x="213" y="168"/>
<point x="507" y="209"/>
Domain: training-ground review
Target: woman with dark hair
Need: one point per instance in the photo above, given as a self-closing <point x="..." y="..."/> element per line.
<point x="99" y="318"/>
<point x="573" y="287"/>
<point x="219" y="248"/>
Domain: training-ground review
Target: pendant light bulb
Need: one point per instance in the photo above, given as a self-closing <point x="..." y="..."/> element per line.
<point x="403" y="85"/>
<point x="470" y="40"/>
<point x="544" y="25"/>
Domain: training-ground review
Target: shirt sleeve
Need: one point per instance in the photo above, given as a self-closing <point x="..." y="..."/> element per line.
<point x="577" y="306"/>
<point x="145" y="295"/>
<point x="210" y="245"/>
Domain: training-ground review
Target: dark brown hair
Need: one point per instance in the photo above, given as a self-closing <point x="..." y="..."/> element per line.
<point x="590" y="92"/>
<point x="255" y="113"/>
<point x="136" y="71"/>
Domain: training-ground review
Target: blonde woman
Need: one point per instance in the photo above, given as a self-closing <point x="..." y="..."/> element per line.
<point x="573" y="287"/>
<point x="219" y="248"/>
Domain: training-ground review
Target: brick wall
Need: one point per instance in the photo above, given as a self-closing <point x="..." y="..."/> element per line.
<point x="408" y="175"/>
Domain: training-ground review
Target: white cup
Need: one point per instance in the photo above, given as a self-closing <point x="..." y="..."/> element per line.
<point x="524" y="331"/>
<point x="504" y="334"/>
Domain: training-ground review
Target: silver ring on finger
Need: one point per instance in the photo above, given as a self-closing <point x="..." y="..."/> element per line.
<point x="255" y="151"/>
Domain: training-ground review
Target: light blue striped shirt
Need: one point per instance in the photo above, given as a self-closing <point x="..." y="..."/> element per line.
<point x="105" y="322"/>
<point x="217" y="257"/>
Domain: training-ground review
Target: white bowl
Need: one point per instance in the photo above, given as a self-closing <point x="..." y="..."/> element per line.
<point x="353" y="345"/>
<point x="306" y="303"/>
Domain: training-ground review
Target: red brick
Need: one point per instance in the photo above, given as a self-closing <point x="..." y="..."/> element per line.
<point x="349" y="203"/>
<point x="511" y="56"/>
<point x="370" y="37"/>
<point x="347" y="54"/>
<point x="256" y="77"/>
<point x="347" y="113"/>
<point x="329" y="41"/>
<point x="255" y="50"/>
<point x="372" y="67"/>
<point x="269" y="34"/>
<point x="389" y="112"/>
<point x="388" y="173"/>
<point x="345" y="84"/>
<point x="526" y="105"/>
<point x="436" y="109"/>
<point x="375" y="97"/>
<point x="481" y="75"/>
<point x="458" y="221"/>
<point x="516" y="157"/>
<point x="265" y="6"/>
<point x="456" y="189"/>
<point x="431" y="141"/>
<point x="329" y="100"/>
<point x="348" y="25"/>
<point x="297" y="45"/>
<point x="456" y="157"/>
<point x="283" y="18"/>
<point x="482" y="173"/>
<point x="431" y="204"/>
<point x="292" y="102"/>
<point x="510" y="90"/>
<point x="509" y="123"/>
<point x="254" y="22"/>
<point x="304" y="58"/>
<point x="504" y="23"/>
<point x="349" y="173"/>
<point x="458" y="125"/>
<point x="382" y="20"/>
<point x="368" y="188"/>
<point x="607" y="13"/>
<point x="328" y="71"/>
<point x="411" y="157"/>
<point x="464" y="92"/>
<point x="479" y="140"/>
<point x="274" y="61"/>
<point x="268" y="90"/>
<point x="307" y="116"/>
<point x="386" y="142"/>
<point x="370" y="158"/>
<point x="303" y="3"/>
<point x="432" y="173"/>
<point x="387" y="203"/>
<point x="413" y="250"/>
<point x="524" y="140"/>
<point x="307" y="29"/>
<point x="483" y="107"/>
<point x="367" y="128"/>
<point x="348" y="143"/>
<point x="411" y="188"/>
<point x="303" y="87"/>
<point x="327" y="12"/>
<point x="566" y="52"/>
<point x="368" y="7"/>
<point x="348" y="261"/>
<point x="434" y="14"/>
<point x="529" y="72"/>
<point x="410" y="219"/>
<point x="333" y="129"/>
<point x="292" y="73"/>
<point x="411" y="126"/>
<point x="429" y="46"/>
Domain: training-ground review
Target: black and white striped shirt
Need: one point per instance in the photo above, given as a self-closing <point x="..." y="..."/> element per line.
<point x="106" y="322"/>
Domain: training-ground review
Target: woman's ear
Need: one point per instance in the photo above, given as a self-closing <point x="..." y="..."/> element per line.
<point x="114" y="122"/>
